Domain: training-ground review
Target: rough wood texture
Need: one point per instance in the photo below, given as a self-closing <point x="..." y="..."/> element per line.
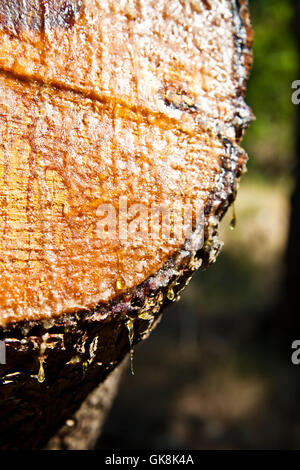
<point x="147" y="102"/>
<point x="140" y="100"/>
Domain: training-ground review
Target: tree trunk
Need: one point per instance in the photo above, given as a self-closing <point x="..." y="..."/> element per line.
<point x="101" y="101"/>
<point x="82" y="430"/>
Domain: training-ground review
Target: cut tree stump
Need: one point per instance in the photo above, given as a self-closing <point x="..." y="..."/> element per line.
<point x="120" y="109"/>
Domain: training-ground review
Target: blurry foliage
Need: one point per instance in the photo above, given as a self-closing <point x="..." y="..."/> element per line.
<point x="270" y="139"/>
<point x="262" y="204"/>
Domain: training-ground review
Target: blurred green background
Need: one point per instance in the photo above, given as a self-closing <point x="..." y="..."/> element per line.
<point x="209" y="378"/>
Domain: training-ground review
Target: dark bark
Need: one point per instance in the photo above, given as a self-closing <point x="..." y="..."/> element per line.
<point x="82" y="430"/>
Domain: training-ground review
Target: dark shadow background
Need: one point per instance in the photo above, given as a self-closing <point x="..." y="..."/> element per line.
<point x="217" y="372"/>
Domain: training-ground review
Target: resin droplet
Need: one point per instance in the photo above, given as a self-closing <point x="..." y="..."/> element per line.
<point x="145" y="316"/>
<point x="84" y="367"/>
<point x="130" y="329"/>
<point x="66" y="210"/>
<point x="170" y="294"/>
<point x="232" y="224"/>
<point x="120" y="283"/>
<point x="41" y="374"/>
